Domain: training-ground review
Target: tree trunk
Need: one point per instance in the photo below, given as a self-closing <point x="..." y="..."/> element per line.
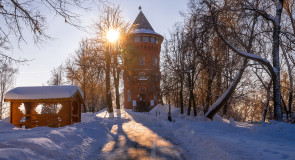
<point x="285" y="107"/>
<point x="193" y="102"/>
<point x="192" y="97"/>
<point x="1" y="99"/>
<point x="224" y="111"/>
<point x="84" y="88"/>
<point x="290" y="83"/>
<point x="190" y="91"/>
<point x="209" y="93"/>
<point x="189" y="107"/>
<point x="276" y="62"/>
<point x="266" y="103"/>
<point x="116" y="75"/>
<point x="181" y="96"/>
<point x="108" y="84"/>
<point x="1" y="109"/>
<point x="117" y="91"/>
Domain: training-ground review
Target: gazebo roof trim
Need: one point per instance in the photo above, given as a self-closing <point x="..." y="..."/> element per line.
<point x="43" y="92"/>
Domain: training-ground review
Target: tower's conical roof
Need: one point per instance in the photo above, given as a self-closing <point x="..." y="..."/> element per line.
<point x="141" y="22"/>
<point x="142" y="25"/>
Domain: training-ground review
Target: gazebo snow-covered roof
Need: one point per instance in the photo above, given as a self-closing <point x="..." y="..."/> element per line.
<point x="43" y="92"/>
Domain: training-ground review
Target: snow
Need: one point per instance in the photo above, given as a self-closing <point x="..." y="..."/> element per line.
<point x="136" y="31"/>
<point x="131" y="135"/>
<point x="43" y="92"/>
<point x="251" y="56"/>
<point x="276" y="71"/>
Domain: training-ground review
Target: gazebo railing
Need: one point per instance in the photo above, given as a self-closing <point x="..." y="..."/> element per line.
<point x="34" y="120"/>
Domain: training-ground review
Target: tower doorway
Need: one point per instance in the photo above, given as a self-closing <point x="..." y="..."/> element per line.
<point x="142" y="100"/>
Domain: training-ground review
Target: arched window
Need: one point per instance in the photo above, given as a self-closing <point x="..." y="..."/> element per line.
<point x="155" y="97"/>
<point x="142" y="76"/>
<point x="155" y="62"/>
<point x="141" y="61"/>
<point x="142" y="89"/>
<point x="129" y="96"/>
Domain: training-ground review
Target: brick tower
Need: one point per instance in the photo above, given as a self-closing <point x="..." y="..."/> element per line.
<point x="142" y="67"/>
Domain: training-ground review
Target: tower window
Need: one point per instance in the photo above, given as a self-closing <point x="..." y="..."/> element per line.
<point x="153" y="39"/>
<point x="145" y="39"/>
<point x="137" y="39"/>
<point x="141" y="61"/>
<point x="129" y="96"/>
<point x="157" y="41"/>
<point x="142" y="76"/>
<point x="142" y="89"/>
<point x="155" y="62"/>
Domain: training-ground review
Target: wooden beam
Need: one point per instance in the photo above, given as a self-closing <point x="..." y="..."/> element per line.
<point x="38" y="100"/>
<point x="10" y="118"/>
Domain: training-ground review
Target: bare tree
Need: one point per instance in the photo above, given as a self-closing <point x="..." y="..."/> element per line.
<point x="57" y="76"/>
<point x="222" y="38"/>
<point x="174" y="66"/>
<point x="7" y="76"/>
<point x="259" y="8"/>
<point x="17" y="17"/>
<point x="85" y="69"/>
<point x="110" y="18"/>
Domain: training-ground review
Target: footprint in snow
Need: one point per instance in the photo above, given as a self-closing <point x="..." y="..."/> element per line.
<point x="285" y="156"/>
<point x="273" y="152"/>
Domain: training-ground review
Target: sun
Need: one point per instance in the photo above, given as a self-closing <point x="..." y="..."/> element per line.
<point x="112" y="35"/>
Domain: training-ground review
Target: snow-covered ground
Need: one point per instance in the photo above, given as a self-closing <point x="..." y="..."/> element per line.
<point x="147" y="136"/>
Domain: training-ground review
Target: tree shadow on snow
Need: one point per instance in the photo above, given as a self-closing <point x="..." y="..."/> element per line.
<point x="131" y="140"/>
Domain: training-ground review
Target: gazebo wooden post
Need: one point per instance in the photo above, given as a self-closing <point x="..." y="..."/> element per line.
<point x="71" y="106"/>
<point x="10" y="117"/>
<point x="28" y="108"/>
<point x="79" y="111"/>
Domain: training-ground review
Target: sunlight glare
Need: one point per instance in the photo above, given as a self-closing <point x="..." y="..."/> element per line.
<point x="112" y="35"/>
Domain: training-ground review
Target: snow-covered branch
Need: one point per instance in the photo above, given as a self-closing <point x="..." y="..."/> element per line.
<point x="244" y="54"/>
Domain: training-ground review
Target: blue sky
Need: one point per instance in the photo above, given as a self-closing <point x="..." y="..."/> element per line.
<point x="162" y="15"/>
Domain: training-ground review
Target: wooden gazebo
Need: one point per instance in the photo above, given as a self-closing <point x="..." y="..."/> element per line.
<point x="28" y="105"/>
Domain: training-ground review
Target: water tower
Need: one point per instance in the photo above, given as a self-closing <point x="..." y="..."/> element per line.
<point x="142" y="66"/>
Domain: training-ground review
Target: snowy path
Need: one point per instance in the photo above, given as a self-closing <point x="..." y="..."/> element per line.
<point x="133" y="140"/>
